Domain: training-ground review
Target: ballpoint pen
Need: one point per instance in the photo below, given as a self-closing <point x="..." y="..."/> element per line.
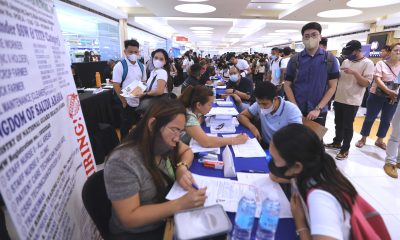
<point x="253" y="171"/>
<point x="194" y="186"/>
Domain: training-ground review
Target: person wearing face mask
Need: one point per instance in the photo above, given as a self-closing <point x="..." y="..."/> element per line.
<point x="276" y="62"/>
<point x="240" y="88"/>
<point x="198" y="102"/>
<point x="272" y="111"/>
<point x="140" y="172"/>
<point x="136" y="72"/>
<point x="241" y="64"/>
<point x="356" y="74"/>
<point x="383" y="97"/>
<point x="311" y="76"/>
<point x="298" y="154"/>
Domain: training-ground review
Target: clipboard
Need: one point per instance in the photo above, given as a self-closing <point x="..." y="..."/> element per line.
<point x="317" y="128"/>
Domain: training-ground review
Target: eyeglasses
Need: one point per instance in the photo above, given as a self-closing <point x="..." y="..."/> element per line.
<point x="312" y="35"/>
<point x="175" y="131"/>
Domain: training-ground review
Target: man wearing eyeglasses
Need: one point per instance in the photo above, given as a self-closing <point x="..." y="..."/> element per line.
<point x="311" y="76"/>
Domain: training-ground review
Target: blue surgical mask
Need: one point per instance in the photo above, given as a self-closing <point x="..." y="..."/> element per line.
<point x="234" y="77"/>
<point x="352" y="57"/>
<point x="273" y="57"/>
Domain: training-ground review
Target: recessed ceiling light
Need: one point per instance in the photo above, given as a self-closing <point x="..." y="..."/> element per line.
<point x="339" y="13"/>
<point x="193" y="0"/>
<point x="201" y="28"/>
<point x="202" y="32"/>
<point x="258" y="7"/>
<point x="276" y="34"/>
<point x="195" y="8"/>
<point x="370" y="3"/>
<point x="287" y="31"/>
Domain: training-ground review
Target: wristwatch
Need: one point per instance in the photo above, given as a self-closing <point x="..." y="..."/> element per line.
<point x="182" y="164"/>
<point x="318" y="108"/>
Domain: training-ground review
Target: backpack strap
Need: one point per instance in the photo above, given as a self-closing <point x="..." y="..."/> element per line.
<point x="329" y="58"/>
<point x="294" y="60"/>
<point x="151" y="84"/>
<point x="124" y="70"/>
<point x="141" y="67"/>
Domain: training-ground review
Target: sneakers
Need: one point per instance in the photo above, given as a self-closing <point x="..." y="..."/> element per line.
<point x="333" y="145"/>
<point x="342" y="155"/>
<point x="391" y="170"/>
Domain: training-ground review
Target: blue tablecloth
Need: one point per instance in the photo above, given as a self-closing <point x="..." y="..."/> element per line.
<point x="286" y="227"/>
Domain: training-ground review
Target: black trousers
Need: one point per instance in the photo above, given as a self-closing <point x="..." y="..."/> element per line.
<point x="129" y="117"/>
<point x="344" y="118"/>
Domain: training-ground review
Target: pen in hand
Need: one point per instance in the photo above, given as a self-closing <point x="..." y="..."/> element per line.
<point x="194" y="186"/>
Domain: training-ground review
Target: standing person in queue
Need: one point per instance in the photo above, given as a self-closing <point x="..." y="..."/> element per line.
<point x="139" y="173"/>
<point x="136" y="72"/>
<point x="311" y="76"/>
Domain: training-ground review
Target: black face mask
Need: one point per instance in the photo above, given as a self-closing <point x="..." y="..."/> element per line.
<point x="278" y="171"/>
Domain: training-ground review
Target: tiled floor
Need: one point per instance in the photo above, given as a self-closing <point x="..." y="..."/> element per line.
<point x="364" y="168"/>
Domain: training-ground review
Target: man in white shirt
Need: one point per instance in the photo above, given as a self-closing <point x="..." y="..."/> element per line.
<point x="241" y="64"/>
<point x="126" y="72"/>
<point x="276" y="59"/>
<point x="355" y="75"/>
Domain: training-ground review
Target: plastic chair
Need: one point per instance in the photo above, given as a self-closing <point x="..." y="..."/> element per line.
<point x="96" y="202"/>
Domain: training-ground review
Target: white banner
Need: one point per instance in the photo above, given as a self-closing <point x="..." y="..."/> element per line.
<point x="45" y="153"/>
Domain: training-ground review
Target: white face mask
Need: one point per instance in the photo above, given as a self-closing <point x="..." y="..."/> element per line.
<point x="311" y="43"/>
<point x="234" y="77"/>
<point x="266" y="111"/>
<point x="132" y="57"/>
<point x="157" y="63"/>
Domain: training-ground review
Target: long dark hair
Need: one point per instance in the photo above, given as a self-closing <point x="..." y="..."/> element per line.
<point x="193" y="95"/>
<point x="167" y="67"/>
<point x="164" y="111"/>
<point x="298" y="143"/>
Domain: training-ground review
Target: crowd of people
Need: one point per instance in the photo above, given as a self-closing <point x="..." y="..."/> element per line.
<point x="274" y="93"/>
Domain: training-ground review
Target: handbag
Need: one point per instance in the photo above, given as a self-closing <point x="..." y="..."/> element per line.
<point x="390" y="85"/>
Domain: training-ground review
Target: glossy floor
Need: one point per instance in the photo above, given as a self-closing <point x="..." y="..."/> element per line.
<point x="364" y="168"/>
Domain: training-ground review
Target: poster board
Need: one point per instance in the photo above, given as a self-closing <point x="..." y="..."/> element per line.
<point x="45" y="152"/>
<point x="378" y="41"/>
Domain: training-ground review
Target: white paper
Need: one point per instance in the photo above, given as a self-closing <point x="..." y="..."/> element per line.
<point x="221" y="191"/>
<point x="225" y="103"/>
<point x="223" y="111"/>
<point x="224" y="129"/>
<point x="266" y="187"/>
<point x="229" y="166"/>
<point x="195" y="146"/>
<point x="251" y="148"/>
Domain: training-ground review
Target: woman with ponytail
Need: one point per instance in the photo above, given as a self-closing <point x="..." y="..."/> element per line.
<point x="198" y="102"/>
<point x="298" y="154"/>
<point x="139" y="173"/>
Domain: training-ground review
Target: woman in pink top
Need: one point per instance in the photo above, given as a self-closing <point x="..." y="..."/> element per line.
<point x="385" y="71"/>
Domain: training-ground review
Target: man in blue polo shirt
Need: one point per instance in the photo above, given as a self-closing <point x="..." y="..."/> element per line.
<point x="311" y="76"/>
<point x="273" y="112"/>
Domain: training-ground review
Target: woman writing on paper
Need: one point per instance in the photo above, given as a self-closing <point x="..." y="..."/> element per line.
<point x="139" y="173"/>
<point x="198" y="102"/>
<point x="298" y="154"/>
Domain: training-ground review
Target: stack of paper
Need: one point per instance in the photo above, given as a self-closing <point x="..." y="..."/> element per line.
<point x="223" y="111"/>
<point x="251" y="148"/>
<point x="195" y="146"/>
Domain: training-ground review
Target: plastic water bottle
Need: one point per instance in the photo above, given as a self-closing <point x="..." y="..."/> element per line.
<point x="269" y="219"/>
<point x="244" y="218"/>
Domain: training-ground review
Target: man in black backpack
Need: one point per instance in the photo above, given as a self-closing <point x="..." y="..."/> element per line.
<point x="311" y="76"/>
<point x="127" y="71"/>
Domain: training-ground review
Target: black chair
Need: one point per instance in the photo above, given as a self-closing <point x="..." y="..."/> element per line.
<point x="96" y="202"/>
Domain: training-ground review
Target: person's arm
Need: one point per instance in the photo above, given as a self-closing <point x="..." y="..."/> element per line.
<point x="242" y="95"/>
<point x="289" y="92"/>
<point x="325" y="99"/>
<point x="245" y="119"/>
<point x="132" y="214"/>
<point x="117" y="79"/>
<point x="159" y="90"/>
<point x="183" y="175"/>
<point x="197" y="133"/>
<point x="361" y="80"/>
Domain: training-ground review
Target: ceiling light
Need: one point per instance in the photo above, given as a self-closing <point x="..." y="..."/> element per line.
<point x="201" y="28"/>
<point x="370" y="4"/>
<point x="287" y="31"/>
<point x="195" y="8"/>
<point x="276" y="34"/>
<point x="202" y="32"/>
<point x="339" y="13"/>
<point x="193" y="0"/>
<point x="258" y="7"/>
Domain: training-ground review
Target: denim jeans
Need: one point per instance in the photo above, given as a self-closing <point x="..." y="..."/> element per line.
<point x="393" y="146"/>
<point x="374" y="105"/>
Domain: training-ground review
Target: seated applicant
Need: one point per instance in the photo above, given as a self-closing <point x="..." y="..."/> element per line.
<point x="272" y="110"/>
<point x="240" y="88"/>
